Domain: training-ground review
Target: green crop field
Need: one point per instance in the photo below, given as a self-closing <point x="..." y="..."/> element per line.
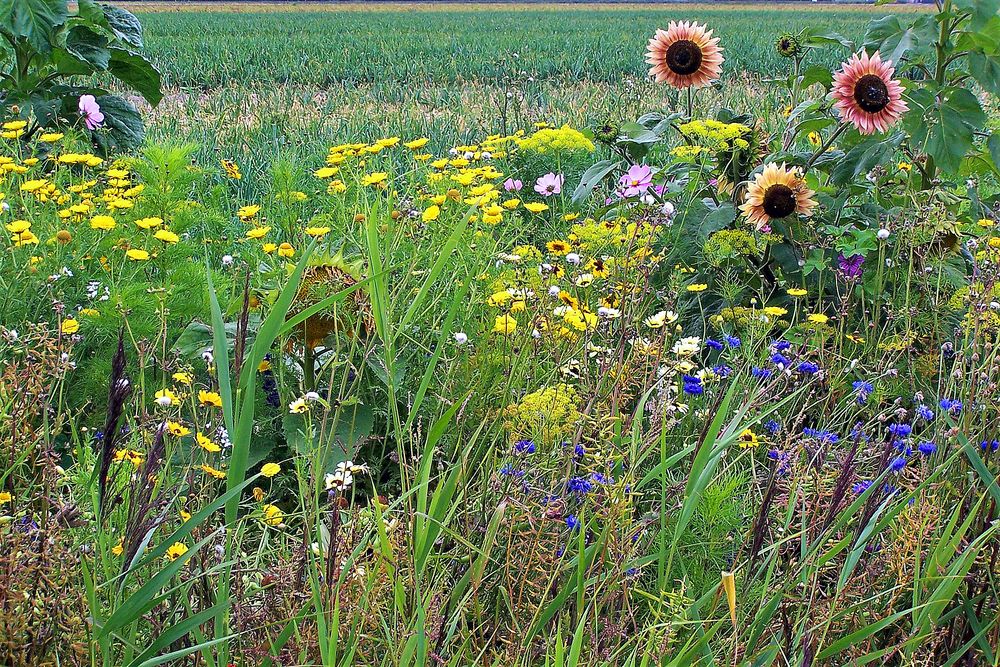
<point x="253" y="83"/>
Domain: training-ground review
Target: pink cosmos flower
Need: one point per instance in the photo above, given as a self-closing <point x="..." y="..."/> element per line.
<point x="549" y="184"/>
<point x="637" y="180"/>
<point x="90" y="110"/>
<point x="512" y="185"/>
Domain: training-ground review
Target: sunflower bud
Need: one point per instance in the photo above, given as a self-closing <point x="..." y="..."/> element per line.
<point x="788" y="46"/>
<point x="607" y="133"/>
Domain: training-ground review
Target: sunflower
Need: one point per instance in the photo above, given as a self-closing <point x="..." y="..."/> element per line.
<point x="867" y="95"/>
<point x="776" y="193"/>
<point x="684" y="55"/>
<point x="322" y="278"/>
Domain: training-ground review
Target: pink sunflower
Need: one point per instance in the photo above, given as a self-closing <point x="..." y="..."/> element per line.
<point x="684" y="55"/>
<point x="867" y="95"/>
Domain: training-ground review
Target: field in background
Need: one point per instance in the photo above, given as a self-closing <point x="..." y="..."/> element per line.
<point x="280" y="80"/>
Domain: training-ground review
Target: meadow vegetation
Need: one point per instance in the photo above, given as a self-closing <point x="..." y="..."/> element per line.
<point x="528" y="336"/>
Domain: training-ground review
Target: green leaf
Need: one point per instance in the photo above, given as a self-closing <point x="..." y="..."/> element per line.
<point x="35" y="20"/>
<point x="817" y="74"/>
<point x="890" y="37"/>
<point x="944" y="125"/>
<point x="92" y="48"/>
<point x="124" y="25"/>
<point x="993" y="144"/>
<point x="135" y="71"/>
<point x="986" y="70"/>
<point x="982" y="10"/>
<point x="862" y="158"/>
<point x="122" y="122"/>
<point x="592" y="178"/>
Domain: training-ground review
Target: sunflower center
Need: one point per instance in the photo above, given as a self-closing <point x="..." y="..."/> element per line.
<point x="871" y="93"/>
<point x="779" y="201"/>
<point x="684" y="57"/>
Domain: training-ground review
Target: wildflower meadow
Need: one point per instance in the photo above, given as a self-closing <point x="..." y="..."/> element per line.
<point x="418" y="336"/>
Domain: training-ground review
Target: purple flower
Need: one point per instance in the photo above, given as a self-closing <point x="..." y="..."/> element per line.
<point x="850" y="267"/>
<point x="549" y="184"/>
<point x="512" y="185"/>
<point x="572" y="522"/>
<point x="897" y="464"/>
<point x="927" y="448"/>
<point x="636" y="181"/>
<point x="90" y="111"/>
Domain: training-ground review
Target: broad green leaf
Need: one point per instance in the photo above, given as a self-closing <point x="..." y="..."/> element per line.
<point x="944" y="125"/>
<point x="90" y="47"/>
<point x="592" y="178"/>
<point x="136" y="72"/>
<point x="124" y="25"/>
<point x="124" y="127"/>
<point x="35" y="20"/>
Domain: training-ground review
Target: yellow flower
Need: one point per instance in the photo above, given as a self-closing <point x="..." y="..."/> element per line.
<point x="985" y="223"/>
<point x="377" y="179"/>
<point x="748" y="439"/>
<point x="317" y="232"/>
<point x="796" y="291"/>
<point x="298" y="406"/>
<point x="270" y="469"/>
<point x="818" y="318"/>
<point x="18" y="226"/>
<point x="182" y="377"/>
<point x="137" y="254"/>
<point x="258" y="232"/>
<point x="269" y="247"/>
<point x="70" y="326"/>
<point x="103" y="222"/>
<point x="431" y="213"/>
<point x="232" y="171"/>
<point x="148" y="223"/>
<point x="286" y="250"/>
<point x="166" y="236"/>
<point x="775" y="311"/>
<point x="177" y="429"/>
<point x="175" y="551"/>
<point x="558" y="247"/>
<point x="697" y="287"/>
<point x="326" y="172"/>
<point x="50" y="137"/>
<point x="247" y="212"/>
<point x="272" y="515"/>
<point x="212" y="472"/>
<point x="536" y="207"/>
<point x="207" y="444"/>
<point x="210" y="398"/>
<point x="505" y="325"/>
<point x="5" y="497"/>
<point x="417" y="143"/>
<point x="119" y="548"/>
<point x="165" y="397"/>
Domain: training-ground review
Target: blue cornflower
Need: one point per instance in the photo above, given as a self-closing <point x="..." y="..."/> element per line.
<point x="927" y="448"/>
<point x="760" y="373"/>
<point x="925" y="413"/>
<point x="808" y="367"/>
<point x="579" y="451"/>
<point x="524" y="447"/>
<point x="579" y="485"/>
<point x="714" y="344"/>
<point x="510" y="471"/>
<point x="861" y="487"/>
<point x="732" y="341"/>
<point x="601" y="478"/>
<point x="694" y="389"/>
<point x="900" y="430"/>
<point x="772" y="426"/>
<point x="572" y="522"/>
<point x="722" y="370"/>
<point x="825" y="436"/>
<point x="781" y="345"/>
<point x="989" y="445"/>
<point x="779" y="359"/>
<point x="951" y="407"/>
<point x="897" y="464"/>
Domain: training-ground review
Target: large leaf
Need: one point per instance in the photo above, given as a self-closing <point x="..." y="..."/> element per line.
<point x="124" y="25"/>
<point x="35" y="20"/>
<point x="88" y="46"/>
<point x="944" y="125"/>
<point x="591" y="178"/>
<point x="982" y="10"/>
<point x="137" y="72"/>
<point x="862" y="158"/>
<point x="122" y="122"/>
<point x="986" y="70"/>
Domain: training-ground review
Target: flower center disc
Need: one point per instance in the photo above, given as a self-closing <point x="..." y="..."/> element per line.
<point x="684" y="57"/>
<point x="779" y="201"/>
<point x="871" y="93"/>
